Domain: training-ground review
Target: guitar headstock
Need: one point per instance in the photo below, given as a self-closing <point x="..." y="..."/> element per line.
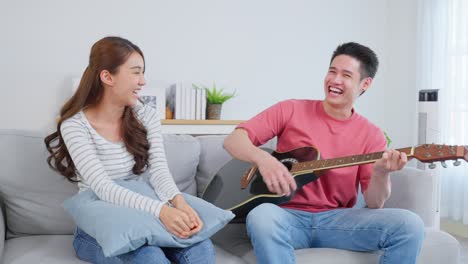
<point x="434" y="152"/>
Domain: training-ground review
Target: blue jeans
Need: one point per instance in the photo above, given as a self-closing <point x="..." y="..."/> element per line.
<point x="87" y="249"/>
<point x="276" y="232"/>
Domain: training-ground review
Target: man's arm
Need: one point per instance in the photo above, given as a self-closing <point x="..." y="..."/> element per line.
<point x="275" y="175"/>
<point x="380" y="186"/>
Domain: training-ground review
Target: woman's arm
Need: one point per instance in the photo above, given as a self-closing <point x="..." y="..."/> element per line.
<point x="160" y="177"/>
<point x="84" y="156"/>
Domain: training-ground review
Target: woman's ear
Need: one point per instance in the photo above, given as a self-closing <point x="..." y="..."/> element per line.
<point x="106" y="77"/>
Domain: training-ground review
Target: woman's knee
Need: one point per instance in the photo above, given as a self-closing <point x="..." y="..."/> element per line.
<point x="202" y="252"/>
<point x="86" y="247"/>
<point x="146" y="254"/>
<point x="204" y="247"/>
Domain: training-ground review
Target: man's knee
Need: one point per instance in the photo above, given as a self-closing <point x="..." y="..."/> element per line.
<point x="263" y="219"/>
<point x="413" y="224"/>
<point x="409" y="225"/>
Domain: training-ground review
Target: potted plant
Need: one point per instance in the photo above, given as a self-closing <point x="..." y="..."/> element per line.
<point x="215" y="97"/>
<point x="389" y="141"/>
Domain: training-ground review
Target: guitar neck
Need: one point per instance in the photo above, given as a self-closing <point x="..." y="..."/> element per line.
<point x="319" y="165"/>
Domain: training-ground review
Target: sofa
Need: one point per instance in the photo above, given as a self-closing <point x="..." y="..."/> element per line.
<point x="36" y="228"/>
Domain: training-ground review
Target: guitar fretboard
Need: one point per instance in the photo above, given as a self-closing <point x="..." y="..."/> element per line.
<point x="318" y="165"/>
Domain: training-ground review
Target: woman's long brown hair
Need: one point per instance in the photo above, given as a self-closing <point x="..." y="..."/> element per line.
<point x="106" y="54"/>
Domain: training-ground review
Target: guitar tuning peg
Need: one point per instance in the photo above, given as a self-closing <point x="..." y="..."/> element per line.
<point x="456" y="163"/>
<point x="432" y="166"/>
<point x="443" y="164"/>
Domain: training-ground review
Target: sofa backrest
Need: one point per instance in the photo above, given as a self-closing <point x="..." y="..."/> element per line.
<point x="213" y="157"/>
<point x="32" y="194"/>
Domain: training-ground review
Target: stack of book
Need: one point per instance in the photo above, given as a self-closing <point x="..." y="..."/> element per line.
<point x="188" y="102"/>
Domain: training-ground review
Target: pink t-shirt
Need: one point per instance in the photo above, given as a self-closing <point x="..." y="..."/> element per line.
<point x="300" y="123"/>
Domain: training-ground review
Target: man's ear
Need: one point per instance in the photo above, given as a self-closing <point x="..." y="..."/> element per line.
<point x="106" y="77"/>
<point x="366" y="85"/>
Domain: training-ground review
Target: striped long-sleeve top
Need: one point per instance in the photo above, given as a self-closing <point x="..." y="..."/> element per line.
<point x="99" y="162"/>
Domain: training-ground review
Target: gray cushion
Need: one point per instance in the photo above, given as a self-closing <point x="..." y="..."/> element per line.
<point x="182" y="153"/>
<point x="439" y="247"/>
<point x="234" y="239"/>
<point x="224" y="257"/>
<point x="2" y="232"/>
<point x="52" y="249"/>
<point x="414" y="189"/>
<point x="59" y="250"/>
<point x="122" y="229"/>
<point x="213" y="157"/>
<point x="33" y="194"/>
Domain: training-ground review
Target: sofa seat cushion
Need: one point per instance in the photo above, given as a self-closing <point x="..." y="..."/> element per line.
<point x="58" y="249"/>
<point x="52" y="249"/>
<point x="438" y="247"/>
<point x="233" y="238"/>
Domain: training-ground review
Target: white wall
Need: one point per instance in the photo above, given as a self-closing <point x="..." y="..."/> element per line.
<point x="267" y="50"/>
<point x="401" y="89"/>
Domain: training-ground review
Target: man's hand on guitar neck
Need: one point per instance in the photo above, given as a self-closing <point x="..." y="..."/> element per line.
<point x="392" y="160"/>
<point x="380" y="187"/>
<point x="275" y="175"/>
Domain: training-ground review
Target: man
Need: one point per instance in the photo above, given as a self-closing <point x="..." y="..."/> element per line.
<point x="320" y="214"/>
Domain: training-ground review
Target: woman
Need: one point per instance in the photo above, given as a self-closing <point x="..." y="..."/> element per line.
<point x="104" y="133"/>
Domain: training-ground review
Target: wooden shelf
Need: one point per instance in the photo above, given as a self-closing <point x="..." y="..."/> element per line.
<point x="199" y="127"/>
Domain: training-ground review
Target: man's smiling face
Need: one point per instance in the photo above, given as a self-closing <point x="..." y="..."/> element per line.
<point x="343" y="83"/>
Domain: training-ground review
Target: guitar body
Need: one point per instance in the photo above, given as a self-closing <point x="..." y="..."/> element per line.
<point x="225" y="190"/>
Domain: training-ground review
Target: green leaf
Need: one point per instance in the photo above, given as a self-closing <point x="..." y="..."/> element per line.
<point x="217" y="95"/>
<point x="389" y="141"/>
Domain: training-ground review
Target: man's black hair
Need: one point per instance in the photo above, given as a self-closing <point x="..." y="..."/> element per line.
<point x="367" y="58"/>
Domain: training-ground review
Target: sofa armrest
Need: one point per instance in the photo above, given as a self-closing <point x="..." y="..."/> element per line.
<point x="415" y="190"/>
<point x="2" y="233"/>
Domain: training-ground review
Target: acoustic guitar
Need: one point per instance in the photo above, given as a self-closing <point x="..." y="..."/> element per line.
<point x="305" y="165"/>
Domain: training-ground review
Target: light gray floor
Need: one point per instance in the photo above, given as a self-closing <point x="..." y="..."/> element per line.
<point x="464" y="248"/>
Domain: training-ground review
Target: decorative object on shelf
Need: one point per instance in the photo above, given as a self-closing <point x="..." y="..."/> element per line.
<point x="215" y="98"/>
<point x="154" y="95"/>
<point x="169" y="113"/>
<point x="186" y="101"/>
<point x="149" y="100"/>
<point x="213" y="111"/>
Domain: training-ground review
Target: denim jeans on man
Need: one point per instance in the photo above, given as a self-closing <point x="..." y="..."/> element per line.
<point x="87" y="249"/>
<point x="276" y="232"/>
